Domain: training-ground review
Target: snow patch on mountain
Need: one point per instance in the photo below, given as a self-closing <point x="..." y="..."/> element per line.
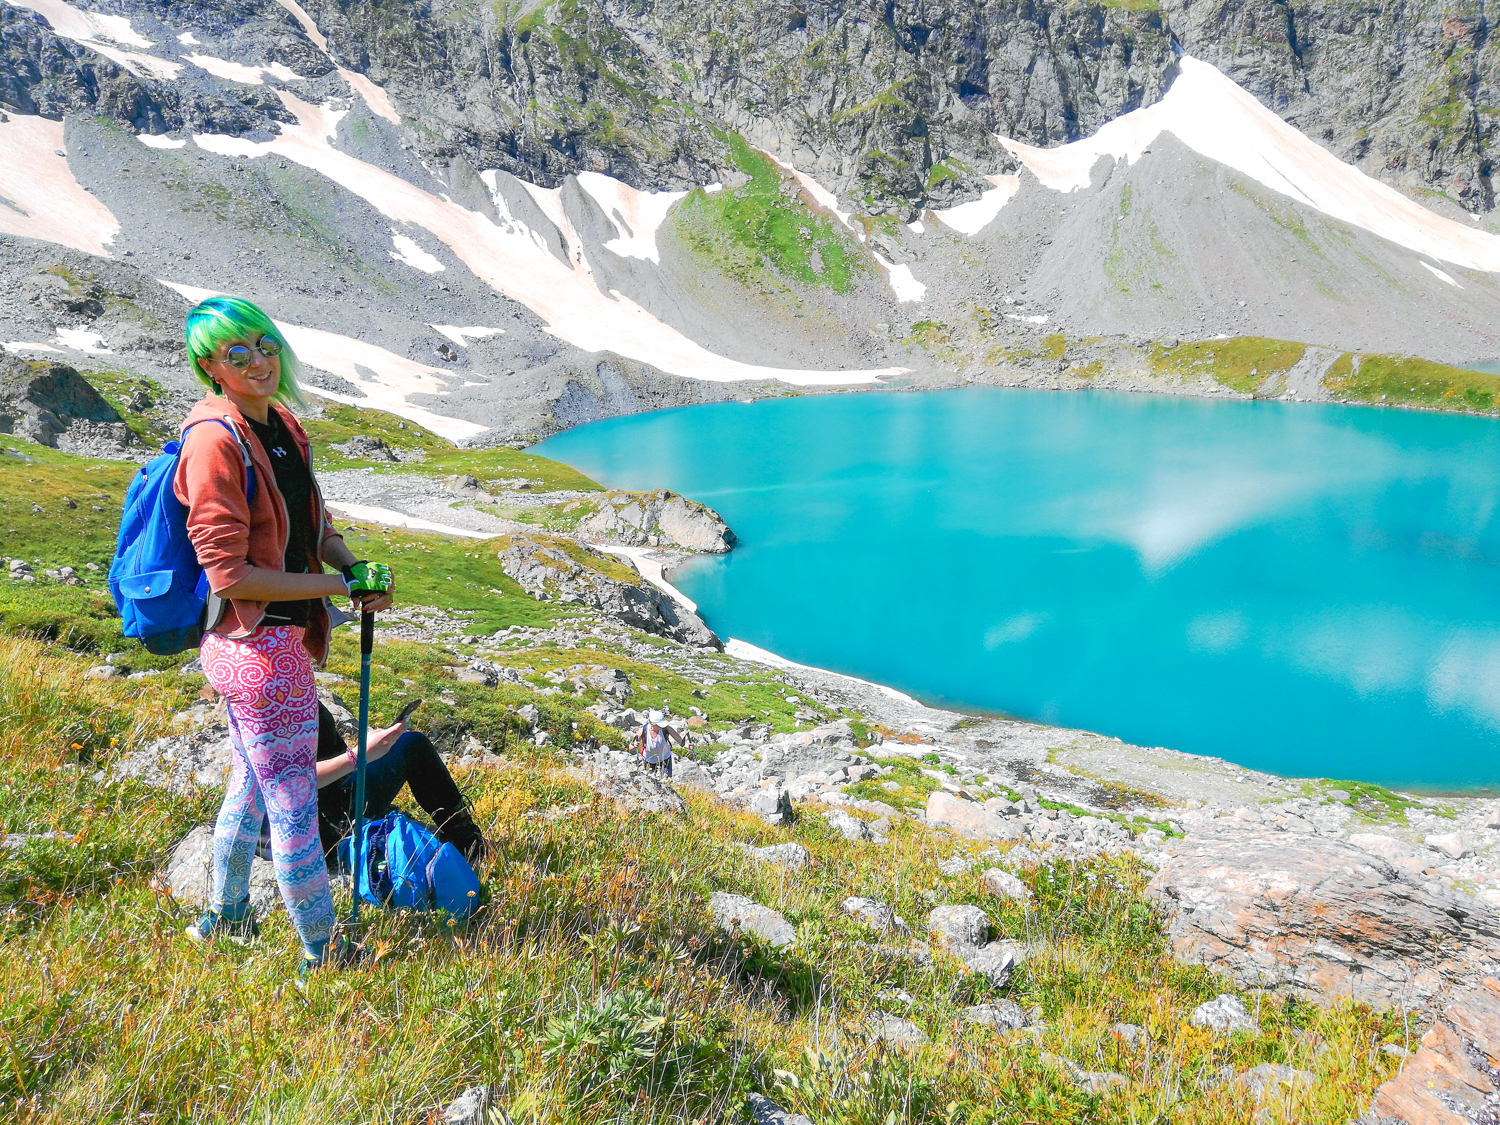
<point x="513" y="260"/>
<point x="637" y="215"/>
<point x="1214" y="117"/>
<point x="39" y="196"/>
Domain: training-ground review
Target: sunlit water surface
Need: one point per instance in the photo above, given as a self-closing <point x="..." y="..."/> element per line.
<point x="1312" y="590"/>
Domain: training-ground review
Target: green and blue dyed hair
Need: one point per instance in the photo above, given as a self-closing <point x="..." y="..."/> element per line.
<point x="233" y="318"/>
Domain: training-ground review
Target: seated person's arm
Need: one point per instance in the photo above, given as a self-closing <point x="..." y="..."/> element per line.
<point x="380" y="743"/>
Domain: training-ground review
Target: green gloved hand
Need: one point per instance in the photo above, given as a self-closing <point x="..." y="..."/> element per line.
<point x="361" y="578"/>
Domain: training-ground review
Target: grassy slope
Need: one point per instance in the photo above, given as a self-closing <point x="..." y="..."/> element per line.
<point x="112" y="1015"/>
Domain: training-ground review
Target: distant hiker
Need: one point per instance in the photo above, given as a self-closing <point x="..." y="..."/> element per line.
<point x="396" y="757"/>
<point x="656" y="743"/>
<point x="267" y="620"/>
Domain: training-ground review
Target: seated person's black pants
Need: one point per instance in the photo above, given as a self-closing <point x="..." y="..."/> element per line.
<point x="412" y="762"/>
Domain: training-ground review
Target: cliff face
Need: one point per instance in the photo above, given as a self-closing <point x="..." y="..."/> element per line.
<point x="893" y="104"/>
<point x="1405" y="90"/>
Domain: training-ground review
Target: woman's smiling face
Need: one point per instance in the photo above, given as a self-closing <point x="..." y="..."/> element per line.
<point x="259" y="379"/>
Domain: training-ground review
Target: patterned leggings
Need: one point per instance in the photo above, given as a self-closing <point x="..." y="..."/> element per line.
<point x="267" y="680"/>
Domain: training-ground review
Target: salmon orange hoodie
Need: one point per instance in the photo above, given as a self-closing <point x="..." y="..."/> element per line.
<point x="230" y="534"/>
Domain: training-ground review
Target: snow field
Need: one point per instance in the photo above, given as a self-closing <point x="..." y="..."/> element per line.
<point x="413" y="255"/>
<point x="972" y="217"/>
<point x="45" y="201"/>
<point x="514" y="260"/>
<point x="103" y="34"/>
<point x="1213" y="116"/>
<point x="636" y="214"/>
<point x="249" y="75"/>
<point x="384" y="378"/>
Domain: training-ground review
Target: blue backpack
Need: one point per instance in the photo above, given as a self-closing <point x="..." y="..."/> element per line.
<point x="158" y="586"/>
<point x="407" y="868"/>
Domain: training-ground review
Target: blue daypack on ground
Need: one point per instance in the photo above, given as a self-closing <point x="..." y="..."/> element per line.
<point x="158" y="586"/>
<point x="406" y="867"/>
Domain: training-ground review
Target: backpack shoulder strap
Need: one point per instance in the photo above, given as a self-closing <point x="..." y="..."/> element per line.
<point x="244" y="452"/>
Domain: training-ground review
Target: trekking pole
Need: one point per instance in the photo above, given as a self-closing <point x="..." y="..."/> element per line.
<point x="366" y="646"/>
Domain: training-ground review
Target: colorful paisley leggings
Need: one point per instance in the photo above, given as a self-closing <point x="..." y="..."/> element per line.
<point x="267" y="680"/>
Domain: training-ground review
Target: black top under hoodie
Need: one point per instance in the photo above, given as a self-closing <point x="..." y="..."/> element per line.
<point x="294" y="482"/>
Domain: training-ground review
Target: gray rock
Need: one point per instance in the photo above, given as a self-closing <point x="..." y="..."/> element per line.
<point x="13" y="840"/>
<point x="876" y="914"/>
<point x="1273" y="1078"/>
<point x="1005" y="1015"/>
<point x="687" y="772"/>
<point x="189" y="874"/>
<point x="1319" y="917"/>
<point x="469" y="1108"/>
<point x="738" y="913"/>
<point x="637" y="518"/>
<point x="53" y="405"/>
<point x="852" y="828"/>
<point x="969" y="820"/>
<point x="793" y="856"/>
<point x="476" y="673"/>
<point x="183" y="763"/>
<point x="763" y="1111"/>
<point x="1454" y="845"/>
<point x="1094" y="1081"/>
<point x="557" y="568"/>
<point x="995" y="961"/>
<point x="366" y="447"/>
<point x="773" y="804"/>
<point x="640" y="791"/>
<point x="1004" y="885"/>
<point x="102" y="672"/>
<point x="1226" y="1014"/>
<point x="1131" y="1034"/>
<point x="901" y="1034"/>
<point x="954" y="927"/>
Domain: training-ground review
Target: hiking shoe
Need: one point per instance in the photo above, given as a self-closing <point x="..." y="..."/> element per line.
<point x="341" y="954"/>
<point x="458" y="828"/>
<point x="213" y="926"/>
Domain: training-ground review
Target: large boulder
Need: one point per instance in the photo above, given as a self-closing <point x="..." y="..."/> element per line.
<point x="956" y="927"/>
<point x="189" y="874"/>
<point x="550" y="567"/>
<point x="660" y="518"/>
<point x="969" y="820"/>
<point x="52" y="405"/>
<point x="1318" y="917"/>
<point x="183" y="763"/>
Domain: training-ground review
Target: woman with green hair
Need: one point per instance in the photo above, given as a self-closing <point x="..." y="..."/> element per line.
<point x="263" y="550"/>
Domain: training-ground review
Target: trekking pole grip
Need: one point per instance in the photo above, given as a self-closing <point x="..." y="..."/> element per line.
<point x="366" y="633"/>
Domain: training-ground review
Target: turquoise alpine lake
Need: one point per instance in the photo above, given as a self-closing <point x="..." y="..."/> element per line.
<point x="1312" y="590"/>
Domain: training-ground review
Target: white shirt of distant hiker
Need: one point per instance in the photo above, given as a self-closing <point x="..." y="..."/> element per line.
<point x="655" y="746"/>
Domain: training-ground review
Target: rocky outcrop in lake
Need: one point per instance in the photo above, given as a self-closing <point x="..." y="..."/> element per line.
<point x="660" y="519"/>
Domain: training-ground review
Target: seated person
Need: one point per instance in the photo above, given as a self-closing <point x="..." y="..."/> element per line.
<point x="394" y="757"/>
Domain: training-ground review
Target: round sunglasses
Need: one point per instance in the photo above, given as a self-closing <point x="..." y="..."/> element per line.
<point x="238" y="356"/>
